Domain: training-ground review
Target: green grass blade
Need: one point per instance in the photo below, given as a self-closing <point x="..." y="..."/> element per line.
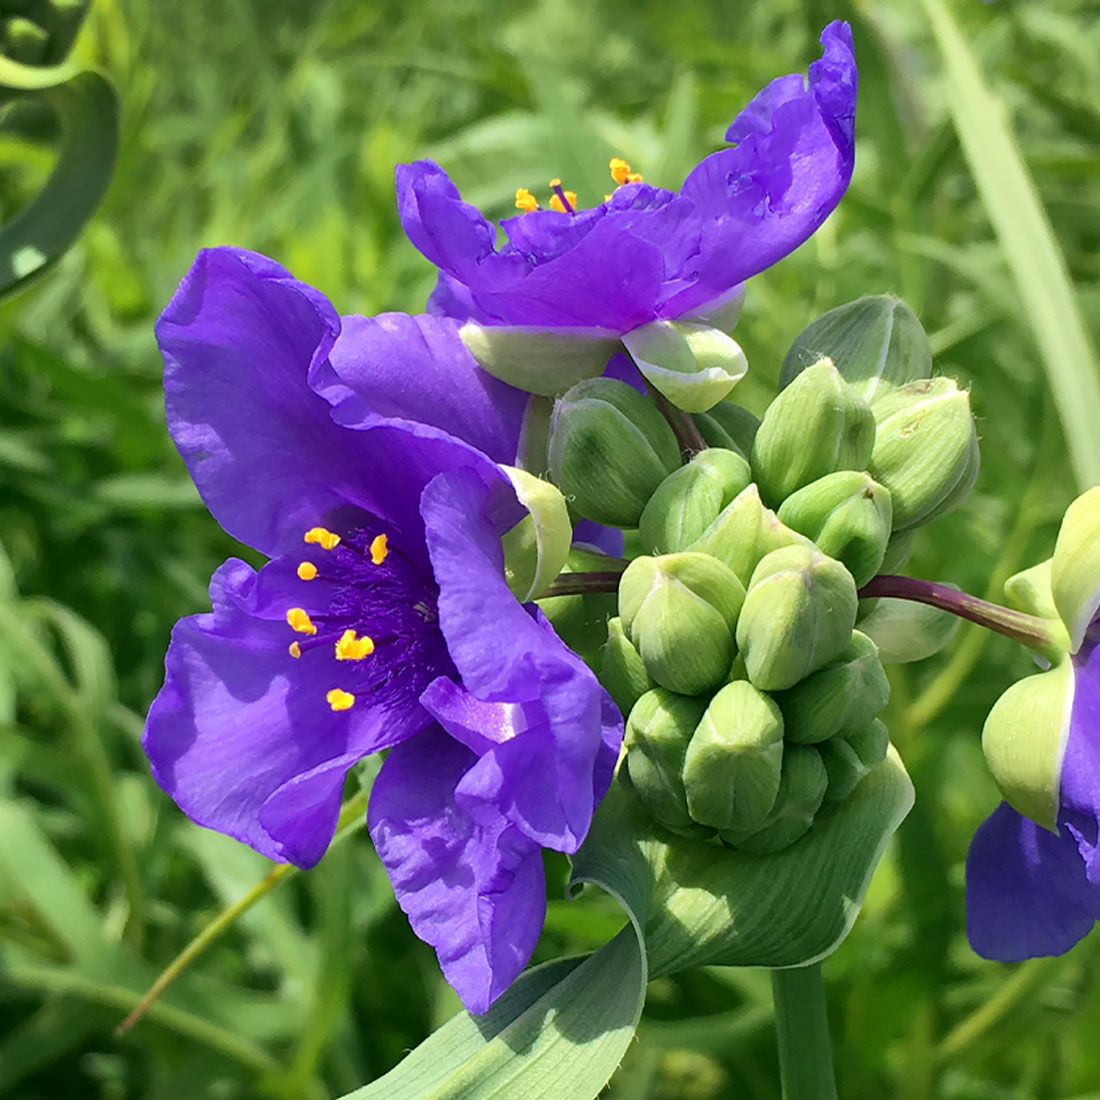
<point x="1013" y="205"/>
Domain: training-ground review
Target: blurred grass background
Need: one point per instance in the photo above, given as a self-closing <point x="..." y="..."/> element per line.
<point x="275" y="124"/>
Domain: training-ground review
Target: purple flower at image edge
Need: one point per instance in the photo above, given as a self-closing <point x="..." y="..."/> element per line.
<point x="1029" y="891"/>
<point x="359" y="455"/>
<point x="647" y="253"/>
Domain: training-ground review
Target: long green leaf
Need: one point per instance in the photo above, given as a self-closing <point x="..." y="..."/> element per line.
<point x="1021" y="225"/>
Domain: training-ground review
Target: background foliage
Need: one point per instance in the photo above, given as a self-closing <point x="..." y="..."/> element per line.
<point x="275" y="124"/>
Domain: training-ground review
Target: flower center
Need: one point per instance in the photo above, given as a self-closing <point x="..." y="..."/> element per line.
<point x="565" y="202"/>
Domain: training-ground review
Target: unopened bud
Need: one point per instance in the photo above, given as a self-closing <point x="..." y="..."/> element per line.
<point x="848" y="759"/>
<point x="876" y="342"/>
<point x="609" y="450"/>
<point x="658" y="730"/>
<point x="926" y="450"/>
<point x="817" y="425"/>
<point x="734" y="759"/>
<point x="622" y="670"/>
<point x="729" y="426"/>
<point x="691" y="364"/>
<point x="802" y="785"/>
<point x="680" y="611"/>
<point x="797" y="617"/>
<point x="689" y="500"/>
<point x="843" y="695"/>
<point x="847" y="515"/>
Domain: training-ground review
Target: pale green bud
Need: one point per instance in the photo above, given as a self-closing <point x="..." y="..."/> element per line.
<point x="679" y="611"/>
<point x="609" y="450"/>
<point x="797" y="617"/>
<point x="905" y="631"/>
<point x="1075" y="569"/>
<point x="658" y="730"/>
<point x="546" y="361"/>
<point x="876" y="342"/>
<point x="536" y="548"/>
<point x="532" y="450"/>
<point x="729" y="426"/>
<point x="817" y="425"/>
<point x="622" y="670"/>
<point x="843" y="695"/>
<point x="734" y="759"/>
<point x="849" y="758"/>
<point x="926" y="450"/>
<point x="691" y="364"/>
<point x="802" y="785"/>
<point x="690" y="499"/>
<point x="847" y="515"/>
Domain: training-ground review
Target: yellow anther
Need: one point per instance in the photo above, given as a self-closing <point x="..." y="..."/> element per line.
<point x="339" y="699"/>
<point x="298" y="620"/>
<point x="379" y="548"/>
<point x="351" y="648"/>
<point x="621" y="173"/>
<point x="557" y="204"/>
<point x="525" y="201"/>
<point x="294" y="649"/>
<point x="324" y="538"/>
<point x="307" y="570"/>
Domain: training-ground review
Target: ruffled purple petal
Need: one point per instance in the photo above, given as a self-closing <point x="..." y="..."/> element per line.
<point x="450" y="298"/>
<point x="473" y="890"/>
<point x="417" y="368"/>
<point x="241" y="735"/>
<point x="240" y="338"/>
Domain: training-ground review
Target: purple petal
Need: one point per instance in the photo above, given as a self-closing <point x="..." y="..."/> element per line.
<point x="1080" y="787"/>
<point x="239" y="338"/>
<point x="241" y="735"/>
<point x="417" y="368"/>
<point x="473" y="890"/>
<point x="1026" y="890"/>
<point x="450" y="298"/>
<point x="589" y="535"/>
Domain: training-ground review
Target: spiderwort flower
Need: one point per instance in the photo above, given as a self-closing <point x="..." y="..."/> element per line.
<point x="1033" y="882"/>
<point x="646" y="253"/>
<point x="382" y="621"/>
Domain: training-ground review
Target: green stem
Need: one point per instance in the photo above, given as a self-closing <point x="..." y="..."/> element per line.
<point x="683" y="426"/>
<point x="802" y="1034"/>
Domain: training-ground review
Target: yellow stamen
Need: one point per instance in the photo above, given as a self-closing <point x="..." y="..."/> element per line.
<point x="560" y="207"/>
<point x="525" y="201"/>
<point x="294" y="649"/>
<point x="339" y="699"/>
<point x="351" y="648"/>
<point x="324" y="538"/>
<point x="621" y="173"/>
<point x="379" y="548"/>
<point x="307" y="570"/>
<point x="298" y="620"/>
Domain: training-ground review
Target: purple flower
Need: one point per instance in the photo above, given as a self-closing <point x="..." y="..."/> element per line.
<point x="646" y="253"/>
<point x="382" y="620"/>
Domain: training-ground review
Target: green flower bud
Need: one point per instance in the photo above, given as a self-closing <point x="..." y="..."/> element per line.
<point x="536" y="549"/>
<point x="848" y="759"/>
<point x="876" y="342"/>
<point x="926" y="450"/>
<point x="818" y="424"/>
<point x="546" y="361"/>
<point x="532" y="451"/>
<point x="693" y="365"/>
<point x="729" y="426"/>
<point x="847" y="515"/>
<point x="660" y="726"/>
<point x="689" y="500"/>
<point x="905" y="631"/>
<point x="679" y="611"/>
<point x="622" y="670"/>
<point x="734" y="759"/>
<point x="797" y="617"/>
<point x="1075" y="569"/>
<point x="802" y="785"/>
<point x="846" y="694"/>
<point x="609" y="450"/>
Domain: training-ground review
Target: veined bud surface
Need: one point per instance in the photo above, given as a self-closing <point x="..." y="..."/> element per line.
<point x="729" y="426"/>
<point x="622" y="669"/>
<point x="798" y="616"/>
<point x="609" y="450"/>
<point x="817" y="425"/>
<point x="926" y="450"/>
<point x="734" y="760"/>
<point x="850" y="757"/>
<point x="848" y="516"/>
<point x="680" y="612"/>
<point x="690" y="499"/>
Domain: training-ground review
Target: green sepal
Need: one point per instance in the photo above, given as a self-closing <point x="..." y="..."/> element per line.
<point x="536" y="548"/>
<point x="622" y="671"/>
<point x="1024" y="741"/>
<point x="1030" y="591"/>
<point x="905" y="631"/>
<point x="1075" y="569"/>
<point x="850" y="758"/>
<point x="693" y="365"/>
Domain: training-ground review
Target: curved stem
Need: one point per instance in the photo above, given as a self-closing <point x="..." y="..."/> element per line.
<point x="802" y="1034"/>
<point x="683" y="426"/>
